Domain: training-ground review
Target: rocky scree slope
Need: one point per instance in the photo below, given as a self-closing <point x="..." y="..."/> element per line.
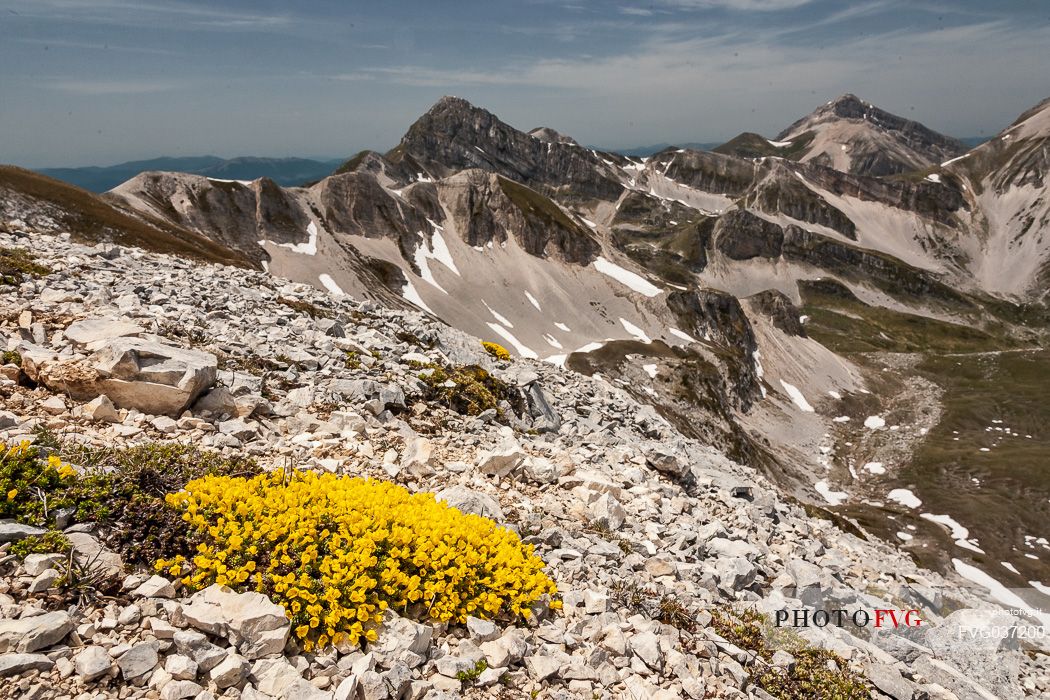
<point x="649" y="534"/>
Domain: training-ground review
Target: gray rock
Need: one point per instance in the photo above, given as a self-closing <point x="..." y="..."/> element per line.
<point x="890" y="681"/>
<point x="502" y="460"/>
<point x="646" y="646"/>
<point x="36" y="564"/>
<point x="14" y="532"/>
<point x="197" y="647"/>
<point x="256" y="626"/>
<point x="181" y="667"/>
<point x="12" y="664"/>
<point x="138" y="661"/>
<point x="155" y="587"/>
<point x="541" y="666"/>
<point x="101" y="410"/>
<point x="44" y="581"/>
<point x="176" y="690"/>
<point x="147" y="375"/>
<point x="230" y="671"/>
<point x="32" y="633"/>
<point x="93" y="663"/>
<point x="481" y="630"/>
<point x="91" y="332"/>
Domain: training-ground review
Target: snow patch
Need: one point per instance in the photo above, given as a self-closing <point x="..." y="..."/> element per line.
<point x="778" y="144"/>
<point x="635" y="331"/>
<point x="650" y="370"/>
<point x="833" y="497"/>
<point x="627" y="278"/>
<point x="330" y="284"/>
<point x="874" y="422"/>
<point x="682" y="335"/>
<point x="563" y="327"/>
<point x="308" y="248"/>
<point x="934" y="177"/>
<point x="533" y="301"/>
<point x="497" y="316"/>
<point x="410" y="293"/>
<point x="905" y="497"/>
<point x="552" y="341"/>
<point x="875" y="467"/>
<point x="797" y="397"/>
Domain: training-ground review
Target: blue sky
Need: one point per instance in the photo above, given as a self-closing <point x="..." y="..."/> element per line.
<point x="102" y="81"/>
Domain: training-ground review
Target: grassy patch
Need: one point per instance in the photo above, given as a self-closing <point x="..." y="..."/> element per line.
<point x="17" y="264"/>
<point x="467" y="389"/>
<point x="50" y="541"/>
<point x="816" y="673"/>
<point x="845" y="324"/>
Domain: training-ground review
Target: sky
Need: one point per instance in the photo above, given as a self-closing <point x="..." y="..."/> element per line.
<point x="96" y="82"/>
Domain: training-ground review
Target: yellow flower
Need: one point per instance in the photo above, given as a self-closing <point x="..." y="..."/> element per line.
<point x="11" y="494"/>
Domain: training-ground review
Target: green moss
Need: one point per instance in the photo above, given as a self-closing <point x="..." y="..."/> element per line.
<point x="16" y="265"/>
<point x="471" y="675"/>
<point x="50" y="542"/>
<point x="10" y="357"/>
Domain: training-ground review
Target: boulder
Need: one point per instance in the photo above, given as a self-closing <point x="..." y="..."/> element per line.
<point x="502" y="460"/>
<point x="29" y="634"/>
<point x="101" y="410"/>
<point x="138" y="661"/>
<point x="147" y="375"/>
<point x="250" y="621"/>
<point x="92" y="332"/>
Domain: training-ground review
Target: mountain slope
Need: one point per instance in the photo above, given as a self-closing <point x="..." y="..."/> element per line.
<point x="854" y="136"/>
<point x="48" y="204"/>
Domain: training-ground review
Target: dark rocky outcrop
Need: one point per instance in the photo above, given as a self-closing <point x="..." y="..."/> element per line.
<point x="740" y="235"/>
<point x="784" y="314"/>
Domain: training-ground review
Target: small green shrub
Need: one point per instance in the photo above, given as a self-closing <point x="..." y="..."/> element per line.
<point x="466" y="389"/>
<point x="16" y="264"/>
<point x="50" y="541"/>
<point x="10" y="357"/>
<point x="470" y="676"/>
<point x="121" y="489"/>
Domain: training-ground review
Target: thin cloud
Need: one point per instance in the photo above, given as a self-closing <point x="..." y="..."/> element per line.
<point x="142" y="13"/>
<point x="110" y="87"/>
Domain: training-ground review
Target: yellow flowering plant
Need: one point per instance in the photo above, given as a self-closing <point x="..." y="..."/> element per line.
<point x="496" y="350"/>
<point x="25" y="476"/>
<point x="338" y="551"/>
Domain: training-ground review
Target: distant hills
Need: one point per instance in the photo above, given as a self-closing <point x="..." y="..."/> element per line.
<point x="283" y="171"/>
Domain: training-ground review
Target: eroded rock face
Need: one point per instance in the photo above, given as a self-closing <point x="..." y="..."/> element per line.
<point x="146" y="375"/>
<point x="740" y="235"/>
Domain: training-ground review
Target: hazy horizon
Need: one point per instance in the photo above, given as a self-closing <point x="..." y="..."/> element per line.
<point x="120" y="80"/>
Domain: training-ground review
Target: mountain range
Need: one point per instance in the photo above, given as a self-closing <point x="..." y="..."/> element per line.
<point x="283" y="171"/>
<point x="780" y="299"/>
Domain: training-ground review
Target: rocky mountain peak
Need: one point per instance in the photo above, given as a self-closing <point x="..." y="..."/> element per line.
<point x="855" y="136"/>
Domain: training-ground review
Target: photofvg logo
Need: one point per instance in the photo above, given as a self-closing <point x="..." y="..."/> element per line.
<point x="875" y="618"/>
